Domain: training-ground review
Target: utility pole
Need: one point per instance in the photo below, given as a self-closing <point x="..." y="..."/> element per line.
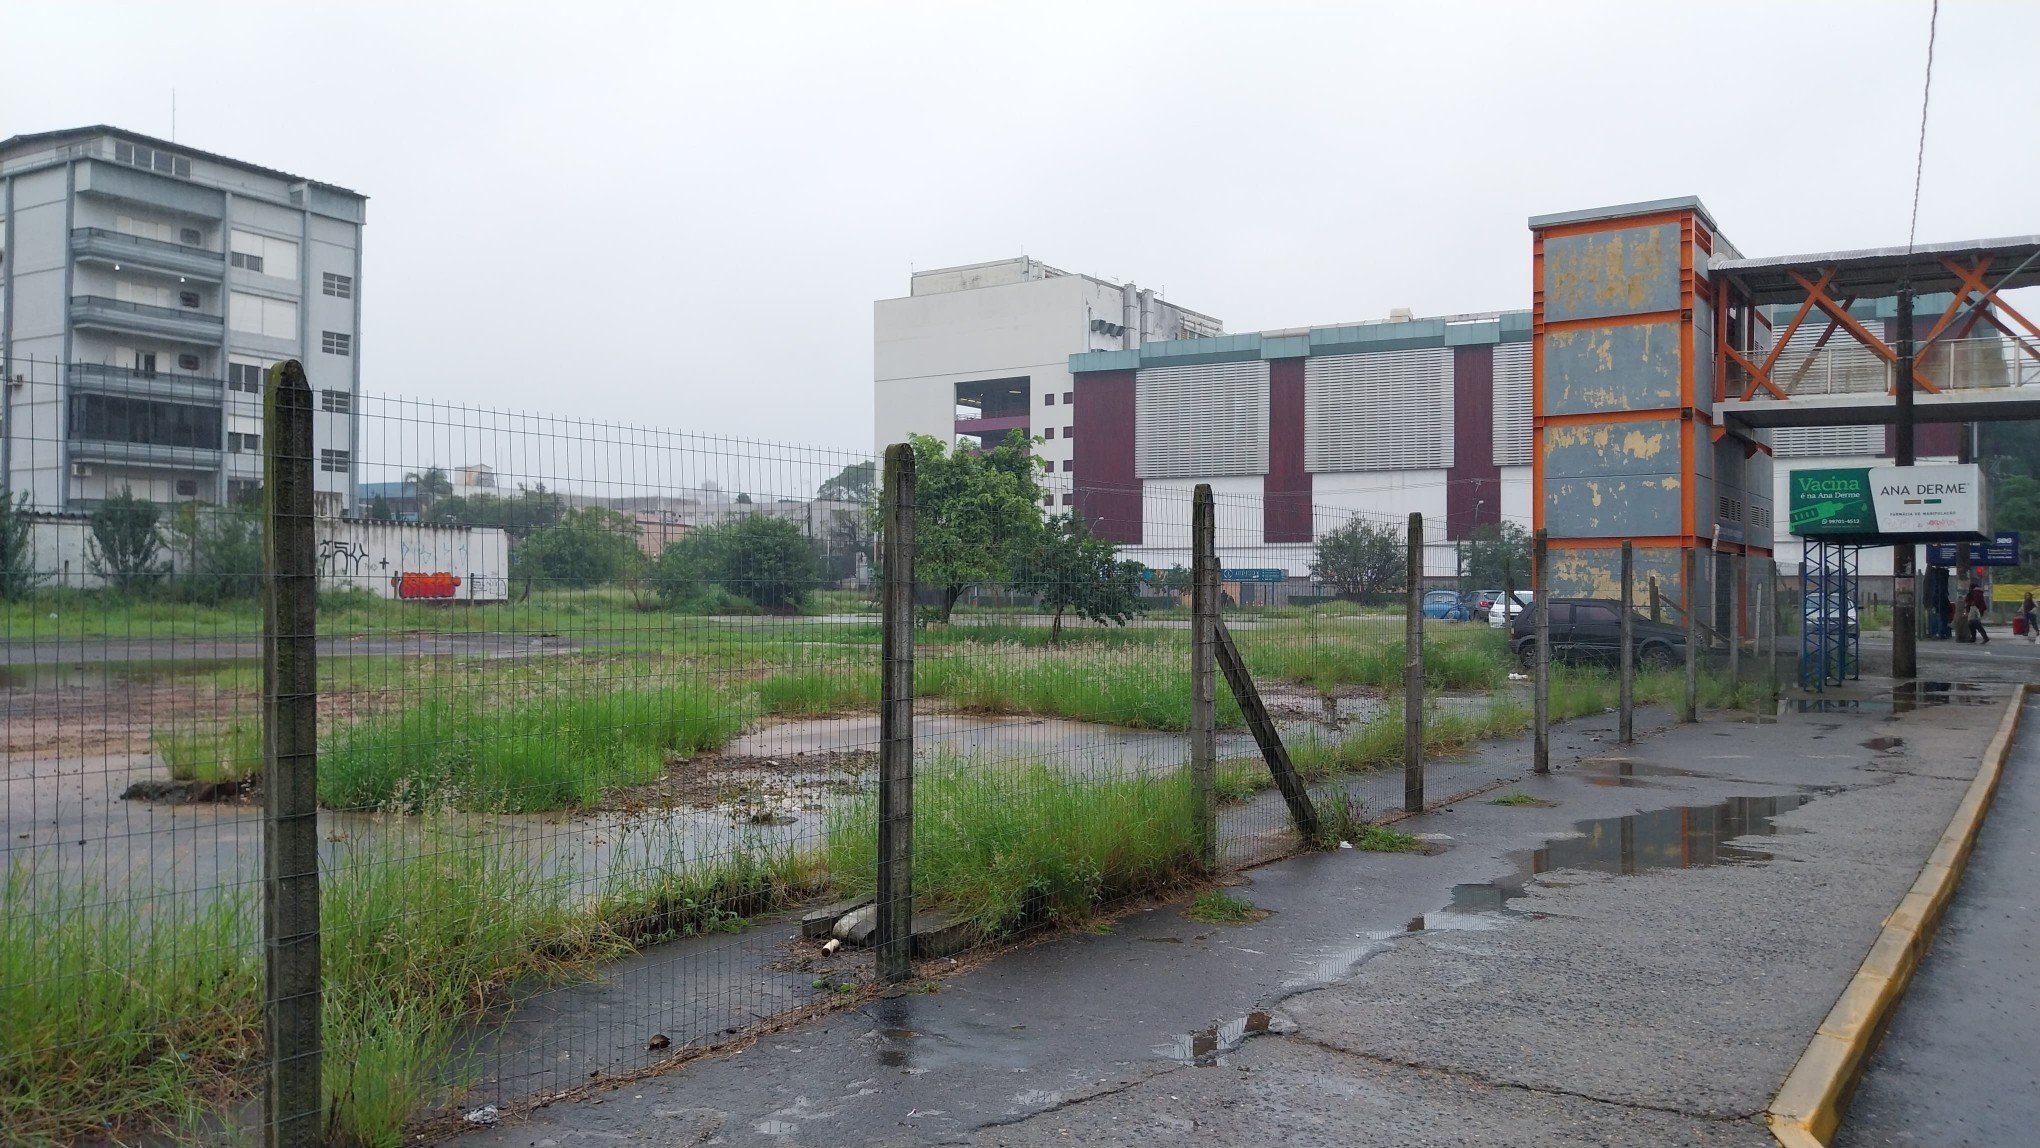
<point x="1905" y="654"/>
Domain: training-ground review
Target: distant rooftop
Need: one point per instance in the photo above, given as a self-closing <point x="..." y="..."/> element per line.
<point x="56" y="138"/>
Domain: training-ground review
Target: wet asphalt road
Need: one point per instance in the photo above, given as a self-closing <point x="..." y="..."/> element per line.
<point x="1619" y="999"/>
<point x="1960" y="1064"/>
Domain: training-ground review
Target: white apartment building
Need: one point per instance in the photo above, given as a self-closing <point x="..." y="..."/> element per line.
<point x="145" y="287"/>
<point x="980" y="350"/>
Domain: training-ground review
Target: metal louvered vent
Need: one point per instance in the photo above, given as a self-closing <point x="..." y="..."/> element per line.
<point x="1201" y="421"/>
<point x="1512" y="404"/>
<point x="1827" y="442"/>
<point x="1391" y="410"/>
<point x="1727" y="509"/>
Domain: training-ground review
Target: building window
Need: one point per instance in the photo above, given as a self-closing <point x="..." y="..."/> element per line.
<point x="145" y="362"/>
<point x="336" y="402"/>
<point x="263" y="254"/>
<point x="241" y="443"/>
<point x="334" y="461"/>
<point x="1069" y="396"/>
<point x="245" y="377"/>
<point x="1066" y="501"/>
<point x="1048" y="432"/>
<point x="1048" y="501"/>
<point x="1068" y="465"/>
<point x="338" y="286"/>
<point x="115" y="418"/>
<point x="1069" y="432"/>
<point x="151" y="159"/>
<point x="259" y="315"/>
<point x="335" y="343"/>
<point x="1048" y="400"/>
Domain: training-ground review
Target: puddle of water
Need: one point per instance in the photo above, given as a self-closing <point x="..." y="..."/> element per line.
<point x="1208" y="1047"/>
<point x="1623" y="773"/>
<point x="1688" y="837"/>
<point x="1883" y="744"/>
<point x="111" y="675"/>
<point x="1897" y="700"/>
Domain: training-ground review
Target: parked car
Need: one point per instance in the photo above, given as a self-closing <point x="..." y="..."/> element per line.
<point x="1590" y="630"/>
<point x="1501" y="614"/>
<point x="1447" y="605"/>
<point x="1839" y="610"/>
<point x="1483" y="601"/>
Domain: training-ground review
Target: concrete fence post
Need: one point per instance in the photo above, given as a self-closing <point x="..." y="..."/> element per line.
<point x="1627" y="705"/>
<point x="293" y="1109"/>
<point x="1540" y="615"/>
<point x="1204" y="671"/>
<point x="1413" y="673"/>
<point x="1736" y="596"/>
<point x="895" y="927"/>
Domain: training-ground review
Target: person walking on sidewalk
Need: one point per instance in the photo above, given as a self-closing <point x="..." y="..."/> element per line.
<point x="2031" y="612"/>
<point x="1973" y="609"/>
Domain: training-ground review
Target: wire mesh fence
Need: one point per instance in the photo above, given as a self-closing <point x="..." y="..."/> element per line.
<point x="599" y="731"/>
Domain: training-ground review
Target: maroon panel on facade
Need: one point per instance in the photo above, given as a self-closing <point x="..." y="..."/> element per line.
<point x="1473" y="485"/>
<point x="1930" y="440"/>
<point x="1285" y="492"/>
<point x="1107" y="492"/>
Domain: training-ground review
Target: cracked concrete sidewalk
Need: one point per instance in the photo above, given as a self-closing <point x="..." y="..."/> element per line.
<point x="1656" y="1007"/>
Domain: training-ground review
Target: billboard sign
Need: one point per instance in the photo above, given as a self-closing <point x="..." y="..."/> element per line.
<point x="2001" y="550"/>
<point x="1868" y="503"/>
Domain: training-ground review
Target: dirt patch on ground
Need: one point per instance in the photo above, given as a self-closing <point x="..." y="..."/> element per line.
<point x="761" y="790"/>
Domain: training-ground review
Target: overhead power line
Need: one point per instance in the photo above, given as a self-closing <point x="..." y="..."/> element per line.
<point x="1920" y="160"/>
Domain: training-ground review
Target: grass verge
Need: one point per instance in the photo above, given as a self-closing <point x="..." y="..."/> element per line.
<point x="1131" y="691"/>
<point x="1007" y="848"/>
<point x="550" y="752"/>
<point x="232" y="752"/>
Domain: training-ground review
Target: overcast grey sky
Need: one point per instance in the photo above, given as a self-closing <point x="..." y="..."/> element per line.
<point x="681" y="214"/>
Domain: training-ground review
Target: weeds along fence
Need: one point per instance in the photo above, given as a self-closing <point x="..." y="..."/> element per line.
<point x="369" y="761"/>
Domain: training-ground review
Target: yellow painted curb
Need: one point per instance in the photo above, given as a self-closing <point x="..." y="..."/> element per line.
<point x="1808" y="1106"/>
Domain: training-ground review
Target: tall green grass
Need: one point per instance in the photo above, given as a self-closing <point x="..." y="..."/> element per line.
<point x="1138" y="692"/>
<point x="548" y="752"/>
<point x="212" y="753"/>
<point x="1465" y="659"/>
<point x="818" y="689"/>
<point x="1006" y="848"/>
<point x="113" y="1019"/>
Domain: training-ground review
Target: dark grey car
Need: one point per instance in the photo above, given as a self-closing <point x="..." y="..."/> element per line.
<point x="1590" y="630"/>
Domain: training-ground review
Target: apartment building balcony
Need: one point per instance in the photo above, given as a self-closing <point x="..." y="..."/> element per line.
<point x="107" y="452"/>
<point x="183" y="388"/>
<point x="102" y="313"/>
<point x="118" y="249"/>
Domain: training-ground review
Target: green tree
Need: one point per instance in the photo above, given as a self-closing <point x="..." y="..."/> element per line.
<point x="222" y="548"/>
<point x="765" y="560"/>
<point x="854" y="483"/>
<point x="427" y="487"/>
<point x="2011" y="454"/>
<point x="1361" y="559"/>
<point x="587" y="547"/>
<point x="530" y="509"/>
<point x="1175" y="580"/>
<point x="18" y="574"/>
<point x="975" y="511"/>
<point x="1073" y="570"/>
<point x="379" y="509"/>
<point x="124" y="545"/>
<point x="1497" y="556"/>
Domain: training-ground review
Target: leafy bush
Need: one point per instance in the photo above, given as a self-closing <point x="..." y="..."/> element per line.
<point x="18" y="575"/>
<point x="125" y="545"/>
<point x="767" y="561"/>
<point x="587" y="547"/>
<point x="224" y="548"/>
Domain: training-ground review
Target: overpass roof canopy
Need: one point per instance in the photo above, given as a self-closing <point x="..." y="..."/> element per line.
<point x="1875" y="272"/>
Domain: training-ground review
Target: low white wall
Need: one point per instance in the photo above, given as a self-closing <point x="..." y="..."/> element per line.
<point x="372" y="556"/>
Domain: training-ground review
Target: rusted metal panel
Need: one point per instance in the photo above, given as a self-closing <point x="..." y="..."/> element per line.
<point x="1703" y="354"/>
<point x="1589" y="370"/>
<point x="1629" y="447"/>
<point x="1620" y="506"/>
<point x="1623" y="272"/>
<point x="1596" y="572"/>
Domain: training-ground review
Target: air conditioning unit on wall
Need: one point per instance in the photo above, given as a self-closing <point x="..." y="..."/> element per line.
<point x="81" y="470"/>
